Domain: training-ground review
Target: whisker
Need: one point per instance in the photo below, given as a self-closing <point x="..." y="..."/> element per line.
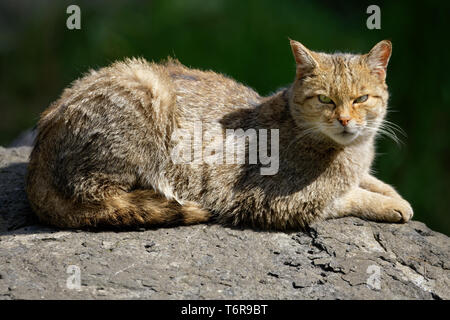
<point x="394" y="126"/>
<point x="388" y="133"/>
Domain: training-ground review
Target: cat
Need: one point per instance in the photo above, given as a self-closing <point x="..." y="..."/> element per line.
<point x="103" y="156"/>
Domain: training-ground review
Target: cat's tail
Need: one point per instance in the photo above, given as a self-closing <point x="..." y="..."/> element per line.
<point x="137" y="208"/>
<point x="147" y="208"/>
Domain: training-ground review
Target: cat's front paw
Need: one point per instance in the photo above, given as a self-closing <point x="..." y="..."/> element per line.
<point x="399" y="211"/>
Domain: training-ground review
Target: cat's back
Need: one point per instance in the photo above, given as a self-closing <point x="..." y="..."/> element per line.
<point x="208" y="95"/>
<point x="152" y="89"/>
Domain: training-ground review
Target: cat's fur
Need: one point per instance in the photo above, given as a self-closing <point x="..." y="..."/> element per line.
<point x="103" y="152"/>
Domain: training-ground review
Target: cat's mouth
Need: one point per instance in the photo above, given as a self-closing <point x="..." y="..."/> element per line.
<point x="342" y="135"/>
<point x="345" y="136"/>
<point x="348" y="133"/>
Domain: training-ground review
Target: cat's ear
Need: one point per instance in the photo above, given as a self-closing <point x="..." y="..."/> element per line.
<point x="378" y="58"/>
<point x="304" y="59"/>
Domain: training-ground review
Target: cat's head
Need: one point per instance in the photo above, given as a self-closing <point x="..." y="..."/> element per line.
<point x="342" y="97"/>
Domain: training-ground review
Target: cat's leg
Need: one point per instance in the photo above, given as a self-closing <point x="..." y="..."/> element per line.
<point x="370" y="205"/>
<point x="373" y="184"/>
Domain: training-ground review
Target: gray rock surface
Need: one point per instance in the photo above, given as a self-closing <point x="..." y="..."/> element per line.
<point x="337" y="259"/>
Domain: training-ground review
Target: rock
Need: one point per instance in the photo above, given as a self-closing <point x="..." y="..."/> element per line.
<point x="25" y="139"/>
<point x="14" y="208"/>
<point x="336" y="259"/>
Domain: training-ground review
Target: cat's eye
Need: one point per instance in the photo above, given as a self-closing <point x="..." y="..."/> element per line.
<point x="324" y="99"/>
<point x="361" y="99"/>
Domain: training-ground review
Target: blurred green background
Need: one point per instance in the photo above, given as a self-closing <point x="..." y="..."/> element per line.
<point x="247" y="40"/>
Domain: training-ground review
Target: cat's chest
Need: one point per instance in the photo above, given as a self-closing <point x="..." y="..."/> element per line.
<point x="310" y="176"/>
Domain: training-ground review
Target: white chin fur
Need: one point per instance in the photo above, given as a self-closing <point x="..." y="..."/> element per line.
<point x="343" y="139"/>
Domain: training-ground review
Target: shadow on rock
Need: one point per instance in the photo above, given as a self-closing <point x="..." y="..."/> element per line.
<point x="15" y="211"/>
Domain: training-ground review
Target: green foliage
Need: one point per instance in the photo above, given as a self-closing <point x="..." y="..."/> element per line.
<point x="247" y="40"/>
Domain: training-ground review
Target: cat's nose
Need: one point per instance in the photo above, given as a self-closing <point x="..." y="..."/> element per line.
<point x="344" y="120"/>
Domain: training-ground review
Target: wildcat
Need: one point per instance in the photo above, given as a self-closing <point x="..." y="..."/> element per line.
<point x="102" y="156"/>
